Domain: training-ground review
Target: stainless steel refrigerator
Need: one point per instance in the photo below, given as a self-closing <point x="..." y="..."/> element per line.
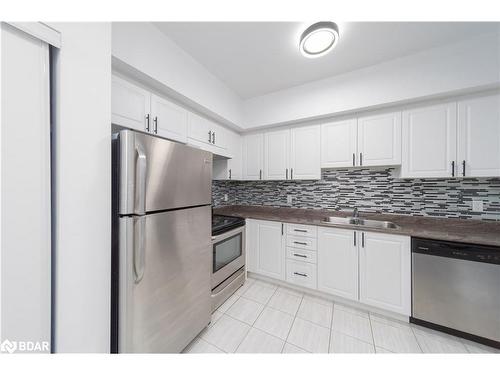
<point x="161" y="243"/>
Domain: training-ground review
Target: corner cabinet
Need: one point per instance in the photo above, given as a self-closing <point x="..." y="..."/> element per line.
<point x="266" y="248"/>
<point x="385" y="272"/>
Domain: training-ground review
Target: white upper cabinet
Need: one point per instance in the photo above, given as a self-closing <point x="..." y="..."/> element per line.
<point x="338" y="262"/>
<point x="136" y="108"/>
<point x="338" y="144"/>
<point x="479" y="136"/>
<point x="130" y="105"/>
<point x="385" y="271"/>
<point x="207" y="132"/>
<point x="229" y="168"/>
<point x="429" y="141"/>
<point x="379" y="139"/>
<point x="168" y="119"/>
<point x="253" y="156"/>
<point x="199" y="128"/>
<point x="305" y="155"/>
<point x="234" y="165"/>
<point x="276" y="154"/>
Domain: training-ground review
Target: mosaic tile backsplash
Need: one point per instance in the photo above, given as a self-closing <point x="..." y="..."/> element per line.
<point x="370" y="190"/>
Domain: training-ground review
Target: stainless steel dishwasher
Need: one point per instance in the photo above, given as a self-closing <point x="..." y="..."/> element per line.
<point x="456" y="289"/>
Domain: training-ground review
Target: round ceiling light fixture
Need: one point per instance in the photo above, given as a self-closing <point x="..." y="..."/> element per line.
<point x="319" y="39"/>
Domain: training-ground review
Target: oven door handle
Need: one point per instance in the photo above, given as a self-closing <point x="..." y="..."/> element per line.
<point x="225" y="235"/>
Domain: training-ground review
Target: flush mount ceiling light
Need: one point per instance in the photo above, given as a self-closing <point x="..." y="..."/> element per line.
<point x="319" y="39"/>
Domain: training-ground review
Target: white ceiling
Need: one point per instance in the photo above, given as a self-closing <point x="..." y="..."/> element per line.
<point x="255" y="58"/>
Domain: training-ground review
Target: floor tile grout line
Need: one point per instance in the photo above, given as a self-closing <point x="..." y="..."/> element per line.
<point x="331" y="329"/>
<point x="310" y="321"/>
<point x="373" y="336"/>
<point x="291" y="326"/>
<point x="252" y="325"/>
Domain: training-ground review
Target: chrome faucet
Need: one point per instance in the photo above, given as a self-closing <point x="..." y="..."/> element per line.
<point x="355" y="212"/>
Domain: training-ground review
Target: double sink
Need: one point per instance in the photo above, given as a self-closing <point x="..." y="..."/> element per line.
<point x="378" y="224"/>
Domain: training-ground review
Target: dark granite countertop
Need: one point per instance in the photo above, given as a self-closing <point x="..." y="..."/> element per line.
<point x="458" y="230"/>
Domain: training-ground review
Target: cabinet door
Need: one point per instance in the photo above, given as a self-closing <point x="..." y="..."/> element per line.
<point x="270" y="249"/>
<point x="305" y="155"/>
<point x="198" y="128"/>
<point x="338" y="262"/>
<point x="338" y="144"/>
<point x="130" y="105"/>
<point x="276" y="155"/>
<point x="169" y="120"/>
<point x="220" y="136"/>
<point x="379" y="139"/>
<point x="385" y="271"/>
<point x="251" y="242"/>
<point x="253" y="155"/>
<point x="479" y="137"/>
<point x="429" y="141"/>
<point x="234" y="165"/>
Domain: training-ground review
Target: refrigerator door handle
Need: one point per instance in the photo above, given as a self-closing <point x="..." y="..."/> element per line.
<point x="140" y="180"/>
<point x="139" y="249"/>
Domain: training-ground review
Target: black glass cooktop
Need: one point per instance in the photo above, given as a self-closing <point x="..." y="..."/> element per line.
<point x="221" y="223"/>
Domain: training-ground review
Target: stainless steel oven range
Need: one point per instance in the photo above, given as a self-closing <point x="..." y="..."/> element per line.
<point x="228" y="257"/>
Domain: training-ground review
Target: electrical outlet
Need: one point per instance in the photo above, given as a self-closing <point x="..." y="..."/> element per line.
<point x="477" y="206"/>
<point x="289" y="199"/>
<point x="225" y="197"/>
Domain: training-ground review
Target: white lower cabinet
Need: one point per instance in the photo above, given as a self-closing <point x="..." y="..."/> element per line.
<point x="266" y="248"/>
<point x="338" y="262"/>
<point x="368" y="267"/>
<point x="385" y="271"/>
<point x="301" y="273"/>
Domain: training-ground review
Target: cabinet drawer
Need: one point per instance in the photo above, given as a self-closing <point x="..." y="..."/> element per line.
<point x="301" y="230"/>
<point x="301" y="255"/>
<point x="301" y="273"/>
<point x="306" y="243"/>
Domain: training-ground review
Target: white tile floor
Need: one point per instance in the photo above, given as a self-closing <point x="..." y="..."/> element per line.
<point x="265" y="318"/>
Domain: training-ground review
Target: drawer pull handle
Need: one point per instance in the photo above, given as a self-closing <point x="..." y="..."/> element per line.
<point x="300" y="230"/>
<point x="299" y="255"/>
<point x="300" y="243"/>
<point x="300" y="274"/>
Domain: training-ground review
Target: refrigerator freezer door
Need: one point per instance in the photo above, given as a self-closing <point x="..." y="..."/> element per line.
<point x="164" y="280"/>
<point x="157" y="174"/>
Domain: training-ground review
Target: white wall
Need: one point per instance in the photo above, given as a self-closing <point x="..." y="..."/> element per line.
<point x="465" y="65"/>
<point x="144" y="47"/>
<point x="83" y="188"/>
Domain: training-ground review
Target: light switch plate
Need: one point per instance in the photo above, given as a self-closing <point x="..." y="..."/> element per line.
<point x="477" y="206"/>
<point x="289" y="199"/>
<point x="225" y="198"/>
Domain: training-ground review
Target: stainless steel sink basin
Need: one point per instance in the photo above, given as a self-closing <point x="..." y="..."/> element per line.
<point x="361" y="222"/>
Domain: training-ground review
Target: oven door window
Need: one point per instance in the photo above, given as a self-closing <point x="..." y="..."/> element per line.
<point x="226" y="251"/>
